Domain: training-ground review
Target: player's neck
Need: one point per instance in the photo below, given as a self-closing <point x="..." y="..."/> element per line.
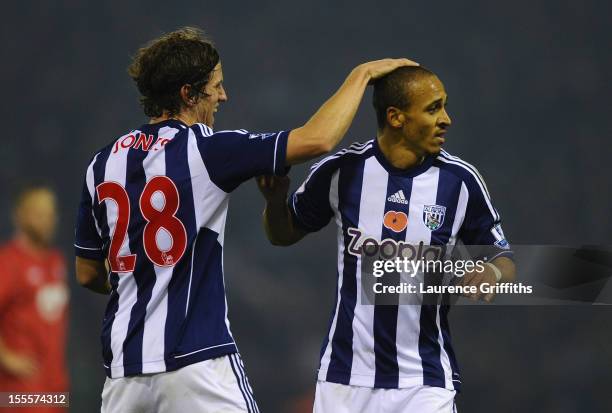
<point x="396" y="151"/>
<point x="29" y="245"/>
<point x="186" y="118"/>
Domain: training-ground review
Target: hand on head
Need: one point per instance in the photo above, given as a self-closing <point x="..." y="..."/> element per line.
<point x="379" y="68"/>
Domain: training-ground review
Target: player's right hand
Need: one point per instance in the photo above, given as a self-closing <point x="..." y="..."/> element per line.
<point x="379" y="68"/>
<point x="19" y="366"/>
<point x="476" y="279"/>
<point x="273" y="188"/>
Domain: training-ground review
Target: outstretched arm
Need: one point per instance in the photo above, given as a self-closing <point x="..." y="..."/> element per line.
<point x="277" y="220"/>
<point x="327" y="126"/>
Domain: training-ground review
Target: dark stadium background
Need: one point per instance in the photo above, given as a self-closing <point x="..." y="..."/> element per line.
<point x="529" y="87"/>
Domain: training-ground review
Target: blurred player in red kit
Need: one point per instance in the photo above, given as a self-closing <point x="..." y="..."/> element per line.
<point x="33" y="301"/>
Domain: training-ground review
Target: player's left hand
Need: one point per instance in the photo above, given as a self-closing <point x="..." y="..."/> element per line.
<point x="379" y="68"/>
<point x="273" y="188"/>
<point x="475" y="278"/>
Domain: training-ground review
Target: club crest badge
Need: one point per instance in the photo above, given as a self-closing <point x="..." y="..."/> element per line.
<point x="433" y="216"/>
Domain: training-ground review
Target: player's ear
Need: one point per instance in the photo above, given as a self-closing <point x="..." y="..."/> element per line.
<point x="187" y="95"/>
<point x="395" y="117"/>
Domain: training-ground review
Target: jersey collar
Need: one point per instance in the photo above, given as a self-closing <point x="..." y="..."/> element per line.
<point x="175" y="123"/>
<point x="392" y="170"/>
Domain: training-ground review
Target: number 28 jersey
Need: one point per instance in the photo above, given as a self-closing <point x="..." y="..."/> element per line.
<point x="154" y="205"/>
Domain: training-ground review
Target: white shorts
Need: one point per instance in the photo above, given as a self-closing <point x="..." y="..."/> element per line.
<point x="340" y="398"/>
<point x="211" y="386"/>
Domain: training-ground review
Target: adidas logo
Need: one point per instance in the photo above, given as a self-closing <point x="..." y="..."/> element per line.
<point x="398" y="198"/>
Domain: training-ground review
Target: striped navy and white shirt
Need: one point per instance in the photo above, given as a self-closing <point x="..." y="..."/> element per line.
<point x="154" y="204"/>
<point x="443" y="200"/>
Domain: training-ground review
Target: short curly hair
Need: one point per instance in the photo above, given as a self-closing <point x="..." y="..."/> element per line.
<point x="393" y="90"/>
<point x="167" y="63"/>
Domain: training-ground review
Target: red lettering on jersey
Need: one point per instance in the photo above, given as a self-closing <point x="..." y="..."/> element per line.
<point x="125" y="143"/>
<point x="144" y="141"/>
<point x="128" y="141"/>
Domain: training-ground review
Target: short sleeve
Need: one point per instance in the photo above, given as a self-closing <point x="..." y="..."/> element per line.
<point x="88" y="243"/>
<point x="310" y="204"/>
<point x="481" y="231"/>
<point x="232" y="157"/>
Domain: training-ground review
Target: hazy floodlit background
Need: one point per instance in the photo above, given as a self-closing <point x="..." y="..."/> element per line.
<point x="528" y="85"/>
